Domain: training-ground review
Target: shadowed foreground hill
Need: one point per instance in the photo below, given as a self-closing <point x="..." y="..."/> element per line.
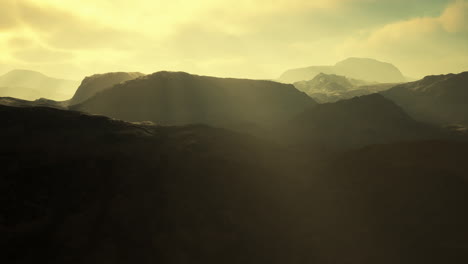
<point x="10" y="101"/>
<point x="87" y="189"/>
<point x="31" y="85"/>
<point x="440" y="99"/>
<point x="404" y="201"/>
<point x="93" y="84"/>
<point x="360" y="121"/>
<point x="181" y="98"/>
<point x="358" y="68"/>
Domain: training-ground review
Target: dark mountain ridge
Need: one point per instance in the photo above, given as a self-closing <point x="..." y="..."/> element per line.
<point x="438" y="99"/>
<point x="181" y="98"/>
<point x="360" y="121"/>
<point x="10" y="101"/>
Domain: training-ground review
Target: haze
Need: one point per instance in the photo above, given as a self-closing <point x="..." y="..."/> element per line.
<point x="241" y="38"/>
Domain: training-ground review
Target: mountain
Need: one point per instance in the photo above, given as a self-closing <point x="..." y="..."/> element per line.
<point x="10" y="101"/>
<point x="369" y="70"/>
<point x="325" y="88"/>
<point x="438" y="99"/>
<point x="304" y="74"/>
<point x="78" y="188"/>
<point x="360" y="121"/>
<point x="31" y="85"/>
<point x="328" y="83"/>
<point x="181" y="98"/>
<point x="94" y="84"/>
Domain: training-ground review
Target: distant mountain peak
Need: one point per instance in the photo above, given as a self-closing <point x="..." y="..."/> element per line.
<point x="31" y="85"/>
<point x="24" y="71"/>
<point x="361" y="60"/>
<point x="366" y="69"/>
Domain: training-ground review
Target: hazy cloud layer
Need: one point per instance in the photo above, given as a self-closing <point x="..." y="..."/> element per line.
<point x="421" y="45"/>
<point x="243" y="38"/>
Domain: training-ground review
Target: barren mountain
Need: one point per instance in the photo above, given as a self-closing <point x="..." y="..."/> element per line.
<point x="325" y="88"/>
<point x="358" y="68"/>
<point x="182" y="98"/>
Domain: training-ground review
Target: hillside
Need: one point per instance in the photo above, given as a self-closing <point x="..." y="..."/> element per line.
<point x="397" y="203"/>
<point x="360" y="121"/>
<point x="89" y="189"/>
<point x="93" y="84"/>
<point x="440" y="99"/>
<point x="369" y="70"/>
<point x="31" y="85"/>
<point x="181" y="98"/>
<point x="10" y="101"/>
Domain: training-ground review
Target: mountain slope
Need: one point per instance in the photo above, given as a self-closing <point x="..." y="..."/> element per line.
<point x="405" y="199"/>
<point x="31" y="85"/>
<point x="88" y="189"/>
<point x="325" y="88"/>
<point x="181" y="98"/>
<point x="440" y="99"/>
<point x="360" y="121"/>
<point x="358" y="68"/>
<point x="327" y="83"/>
<point x="93" y="84"/>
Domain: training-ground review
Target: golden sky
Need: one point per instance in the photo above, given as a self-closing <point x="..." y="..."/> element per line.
<point x="235" y="38"/>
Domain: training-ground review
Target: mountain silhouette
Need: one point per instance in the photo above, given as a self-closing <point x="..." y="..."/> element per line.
<point x="181" y="98"/>
<point x="365" y="120"/>
<point x="94" y="84"/>
<point x="358" y="68"/>
<point x="438" y="99"/>
<point x="32" y="85"/>
<point x="42" y="102"/>
<point x="325" y="88"/>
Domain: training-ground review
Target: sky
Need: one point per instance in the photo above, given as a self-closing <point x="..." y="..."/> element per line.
<point x="256" y="39"/>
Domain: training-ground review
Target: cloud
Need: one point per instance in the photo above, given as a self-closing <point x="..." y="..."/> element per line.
<point x="61" y="28"/>
<point x="8" y="19"/>
<point x="455" y="17"/>
<point x="65" y="30"/>
<point x="239" y="38"/>
<point x="38" y="54"/>
<point x="420" y="45"/>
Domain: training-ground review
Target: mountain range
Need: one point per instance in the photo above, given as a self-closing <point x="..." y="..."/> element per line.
<point x="173" y="167"/>
<point x="179" y="98"/>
